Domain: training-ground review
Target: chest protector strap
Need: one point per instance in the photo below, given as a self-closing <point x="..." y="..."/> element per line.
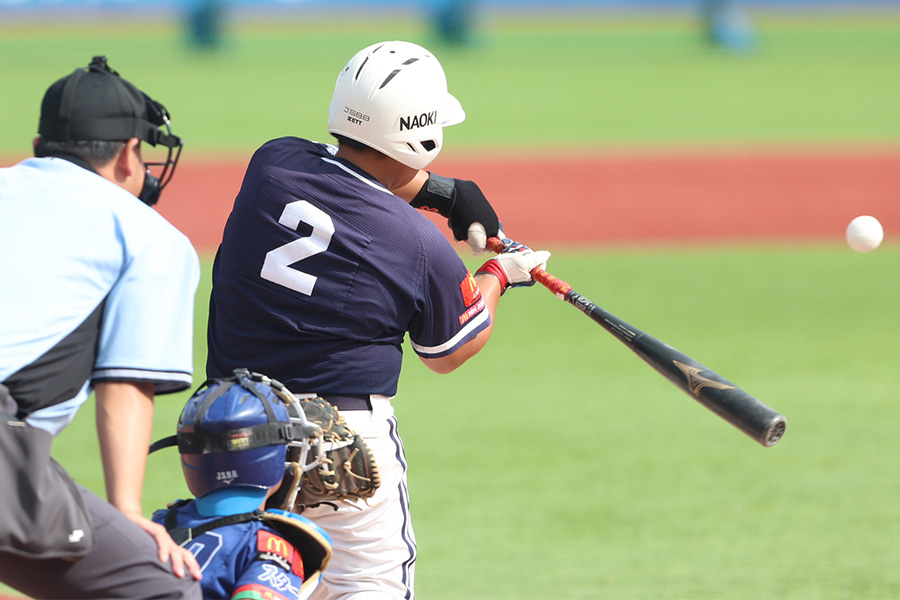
<point x="310" y="540"/>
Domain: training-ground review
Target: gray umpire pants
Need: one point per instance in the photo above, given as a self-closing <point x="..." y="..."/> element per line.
<point x="123" y="564"/>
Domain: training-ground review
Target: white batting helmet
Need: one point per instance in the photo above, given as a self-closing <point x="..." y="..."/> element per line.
<point x="392" y="96"/>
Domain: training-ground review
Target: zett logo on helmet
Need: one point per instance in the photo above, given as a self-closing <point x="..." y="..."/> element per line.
<point x="416" y="121"/>
<point x="354" y="116"/>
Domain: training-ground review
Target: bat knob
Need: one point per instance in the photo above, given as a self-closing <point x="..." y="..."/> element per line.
<point x="775" y="431"/>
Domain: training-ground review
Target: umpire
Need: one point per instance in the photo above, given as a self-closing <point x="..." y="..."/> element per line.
<point x="98" y="295"/>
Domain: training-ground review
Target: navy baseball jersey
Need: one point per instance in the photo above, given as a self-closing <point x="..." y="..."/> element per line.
<point x="247" y="561"/>
<point x="97" y="286"/>
<point x="322" y="271"/>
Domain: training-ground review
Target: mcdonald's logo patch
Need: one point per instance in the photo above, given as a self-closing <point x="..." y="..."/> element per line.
<point x="275" y="549"/>
<point x="470" y="290"/>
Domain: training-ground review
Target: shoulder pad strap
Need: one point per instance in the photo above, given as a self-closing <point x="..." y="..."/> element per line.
<point x="183" y="535"/>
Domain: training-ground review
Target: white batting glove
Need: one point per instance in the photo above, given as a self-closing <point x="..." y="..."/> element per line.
<point x="513" y="266"/>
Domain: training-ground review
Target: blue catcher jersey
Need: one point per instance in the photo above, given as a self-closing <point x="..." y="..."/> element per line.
<point x="322" y="271"/>
<point x="97" y="286"/>
<point x="248" y="560"/>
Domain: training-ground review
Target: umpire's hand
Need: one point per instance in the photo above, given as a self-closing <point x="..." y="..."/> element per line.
<point x="181" y="557"/>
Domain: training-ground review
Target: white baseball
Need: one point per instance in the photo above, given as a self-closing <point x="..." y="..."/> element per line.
<point x="864" y="233"/>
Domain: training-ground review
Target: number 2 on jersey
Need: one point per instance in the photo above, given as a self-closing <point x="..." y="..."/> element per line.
<point x="277" y="266"/>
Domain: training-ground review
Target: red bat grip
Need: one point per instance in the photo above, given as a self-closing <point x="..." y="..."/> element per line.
<point x="554" y="284"/>
<point x="495" y="245"/>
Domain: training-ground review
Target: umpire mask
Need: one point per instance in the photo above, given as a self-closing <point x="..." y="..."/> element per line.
<point x="97" y="104"/>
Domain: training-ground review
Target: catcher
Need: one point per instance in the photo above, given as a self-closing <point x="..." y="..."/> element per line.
<point x="234" y="436"/>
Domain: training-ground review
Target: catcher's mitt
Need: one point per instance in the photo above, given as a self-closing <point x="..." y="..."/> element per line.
<point x="338" y="466"/>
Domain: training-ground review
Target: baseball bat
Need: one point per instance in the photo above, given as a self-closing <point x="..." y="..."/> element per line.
<point x="707" y="387"/>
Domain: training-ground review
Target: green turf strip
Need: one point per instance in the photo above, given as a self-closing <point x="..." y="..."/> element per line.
<point x="602" y="80"/>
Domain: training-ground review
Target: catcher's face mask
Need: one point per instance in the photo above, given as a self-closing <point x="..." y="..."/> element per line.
<point x="236" y="431"/>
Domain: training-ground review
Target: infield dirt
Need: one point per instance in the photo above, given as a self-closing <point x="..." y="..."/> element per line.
<point x="691" y="197"/>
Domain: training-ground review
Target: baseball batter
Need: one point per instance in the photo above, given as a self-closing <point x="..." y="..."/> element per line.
<point x="325" y="265"/>
<point x="98" y="294"/>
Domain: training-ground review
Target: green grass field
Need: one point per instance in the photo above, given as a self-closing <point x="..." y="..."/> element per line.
<point x="557" y="464"/>
<point x="612" y="81"/>
<point x="559" y="454"/>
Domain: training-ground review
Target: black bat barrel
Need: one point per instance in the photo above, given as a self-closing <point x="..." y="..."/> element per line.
<point x="707" y="387"/>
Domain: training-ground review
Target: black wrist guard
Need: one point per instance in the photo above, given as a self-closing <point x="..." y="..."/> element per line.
<point x="437" y="195"/>
<point x="460" y="201"/>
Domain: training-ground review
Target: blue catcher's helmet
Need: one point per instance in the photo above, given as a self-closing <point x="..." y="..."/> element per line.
<point x="234" y="432"/>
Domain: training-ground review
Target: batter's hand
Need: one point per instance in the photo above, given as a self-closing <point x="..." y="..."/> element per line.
<point x="464" y="205"/>
<point x="513" y="266"/>
<point x="472" y="208"/>
<point x="477" y="238"/>
<point x="181" y="557"/>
